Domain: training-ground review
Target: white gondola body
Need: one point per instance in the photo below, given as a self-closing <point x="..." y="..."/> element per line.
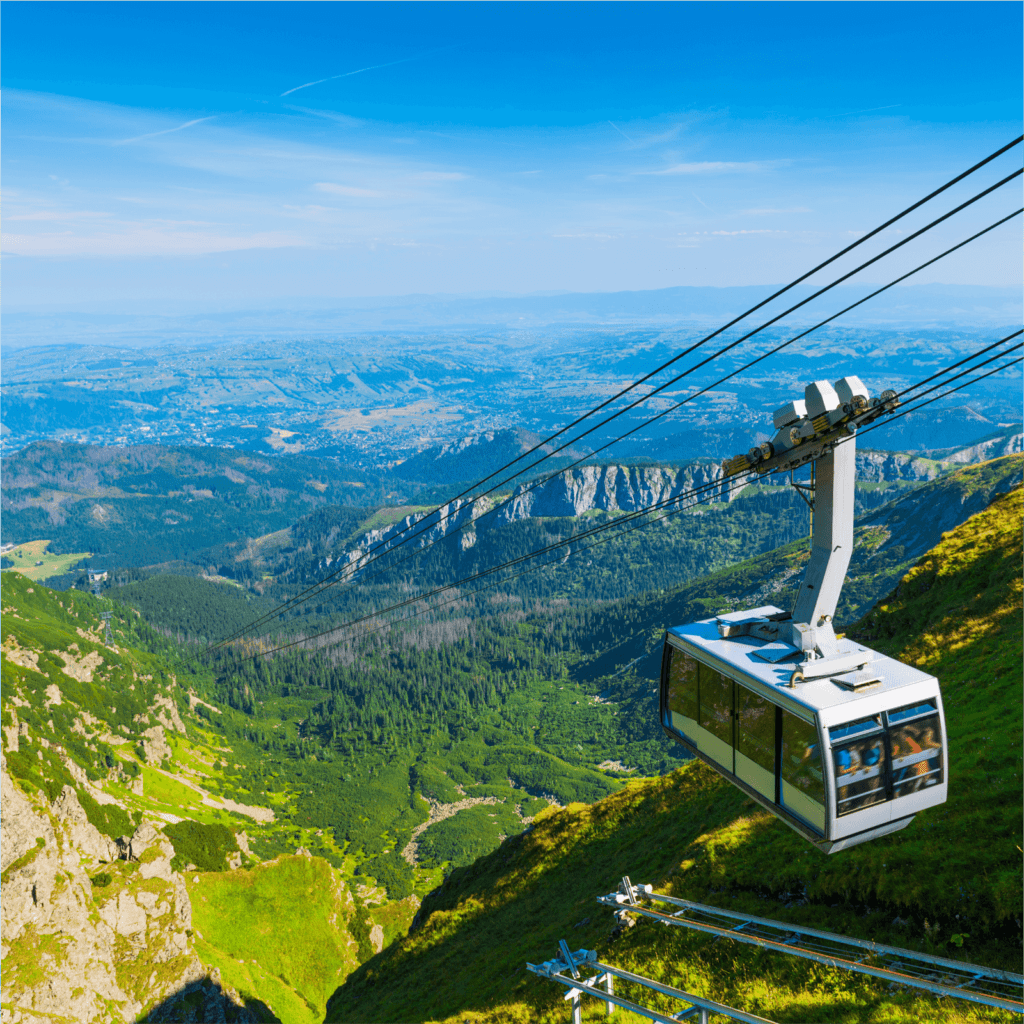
<point x="864" y="779"/>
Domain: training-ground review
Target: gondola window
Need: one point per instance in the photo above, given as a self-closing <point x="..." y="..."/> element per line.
<point x="861" y="764"/>
<point x="681" y="699"/>
<point x="755" y="741"/>
<point x="716" y="714"/>
<point x="915" y="735"/>
<point x="803" y="790"/>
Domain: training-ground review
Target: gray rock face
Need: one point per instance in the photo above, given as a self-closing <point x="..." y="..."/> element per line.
<point x="142" y="839"/>
<point x="612" y="489"/>
<point x="46" y="852"/>
<point x="154" y="745"/>
<point x="991" y="449"/>
<point x="918" y="521"/>
<point x="89" y="841"/>
<point x="887" y="467"/>
<point x="572" y="493"/>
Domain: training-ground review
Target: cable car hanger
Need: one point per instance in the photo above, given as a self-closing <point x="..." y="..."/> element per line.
<point x="811" y="431"/>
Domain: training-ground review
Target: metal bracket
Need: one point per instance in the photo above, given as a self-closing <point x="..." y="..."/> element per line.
<point x="801" y="488"/>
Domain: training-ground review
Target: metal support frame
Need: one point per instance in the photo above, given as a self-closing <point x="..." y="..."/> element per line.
<point x="820" y="431"/>
<point x="831" y="537"/>
<point x="565" y="969"/>
<point x="105" y="616"/>
<point x="806" y="492"/>
<point x="934" y="974"/>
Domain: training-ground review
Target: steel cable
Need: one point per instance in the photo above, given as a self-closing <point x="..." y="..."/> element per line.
<point x="640" y="513"/>
<point x="849" y="248"/>
<point x="359" y="566"/>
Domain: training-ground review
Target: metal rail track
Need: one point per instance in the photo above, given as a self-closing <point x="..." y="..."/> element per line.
<point x="935" y="974"/>
<point x="565" y="969"/>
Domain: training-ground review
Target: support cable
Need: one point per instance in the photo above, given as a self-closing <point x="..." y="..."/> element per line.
<point x="352" y="569"/>
<point x="832" y="259"/>
<point x="630" y="517"/>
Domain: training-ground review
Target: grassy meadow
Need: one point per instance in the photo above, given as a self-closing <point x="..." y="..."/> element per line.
<point x="24" y="559"/>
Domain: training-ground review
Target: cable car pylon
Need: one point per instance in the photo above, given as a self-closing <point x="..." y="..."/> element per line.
<point x="842" y="743"/>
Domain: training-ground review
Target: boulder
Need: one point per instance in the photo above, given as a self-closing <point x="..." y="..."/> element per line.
<point x="142" y="838"/>
<point x="154" y="745"/>
<point x="123" y="915"/>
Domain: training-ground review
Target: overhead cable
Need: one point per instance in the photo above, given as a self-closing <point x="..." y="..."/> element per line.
<point x="635" y="515"/>
<point x="361" y="565"/>
<point x="971" y="170"/>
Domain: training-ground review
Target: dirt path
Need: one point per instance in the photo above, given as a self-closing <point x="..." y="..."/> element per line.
<point x="261" y="814"/>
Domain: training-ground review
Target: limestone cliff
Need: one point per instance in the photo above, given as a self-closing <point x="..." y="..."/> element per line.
<point x="570" y="493"/>
<point x="86" y="936"/>
<point x="610" y="488"/>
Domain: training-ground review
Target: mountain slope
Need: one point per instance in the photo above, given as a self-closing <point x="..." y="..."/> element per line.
<point x="149" y="503"/>
<point x="102" y="743"/>
<point x="950" y="883"/>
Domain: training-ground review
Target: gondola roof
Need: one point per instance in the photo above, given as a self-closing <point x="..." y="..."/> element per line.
<point x="739" y="657"/>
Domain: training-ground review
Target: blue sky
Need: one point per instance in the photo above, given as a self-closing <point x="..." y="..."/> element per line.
<point x="157" y="154"/>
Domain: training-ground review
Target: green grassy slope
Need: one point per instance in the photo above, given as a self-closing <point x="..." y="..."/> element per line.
<point x="950" y="883"/>
<point x="887" y="543"/>
<point x="277" y="931"/>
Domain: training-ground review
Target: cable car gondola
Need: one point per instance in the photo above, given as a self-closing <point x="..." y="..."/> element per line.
<point x="840" y="742"/>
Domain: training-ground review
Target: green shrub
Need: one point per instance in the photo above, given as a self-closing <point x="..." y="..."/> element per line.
<point x="111" y="819"/>
<point x="392" y="871"/>
<point x="206" y="846"/>
<point x="48" y="776"/>
<point x="469" y="834"/>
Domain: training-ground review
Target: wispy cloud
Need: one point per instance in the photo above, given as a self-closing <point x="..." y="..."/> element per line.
<point x="701" y="201"/>
<point x="348" y="74"/>
<point x="869" y="110"/>
<point x="720" y="167"/>
<point x="751" y="231"/>
<point x="770" y="210"/>
<point x="330" y="115"/>
<point x="59" y="215"/>
<point x="153" y="239"/>
<point x="166" y="131"/>
<point x="621" y="132"/>
<point x="440" y="176"/>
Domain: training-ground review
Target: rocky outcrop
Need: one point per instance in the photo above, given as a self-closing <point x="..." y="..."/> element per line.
<point x="166" y="713"/>
<point x="86" y="937"/>
<point x="155" y="746"/>
<point x="570" y="493"/>
<point x="917" y="522"/>
<point x="985" y="450"/>
<point x="614" y="489"/>
<point x="888" y="467"/>
<point x="86" y="838"/>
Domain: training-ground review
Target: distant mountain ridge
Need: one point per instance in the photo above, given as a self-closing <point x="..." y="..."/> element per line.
<point x="909" y="304"/>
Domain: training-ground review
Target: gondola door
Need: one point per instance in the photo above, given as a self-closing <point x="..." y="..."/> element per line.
<point x="717" y="714"/>
<point x="770" y="749"/>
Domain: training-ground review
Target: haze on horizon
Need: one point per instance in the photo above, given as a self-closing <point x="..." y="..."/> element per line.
<point x="222" y="155"/>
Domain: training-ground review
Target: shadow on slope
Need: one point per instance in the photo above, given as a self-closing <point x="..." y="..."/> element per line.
<point x="207" y="1000"/>
<point x="950" y="883"/>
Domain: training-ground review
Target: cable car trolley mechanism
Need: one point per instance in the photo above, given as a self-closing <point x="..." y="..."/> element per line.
<point x="842" y="743"/>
